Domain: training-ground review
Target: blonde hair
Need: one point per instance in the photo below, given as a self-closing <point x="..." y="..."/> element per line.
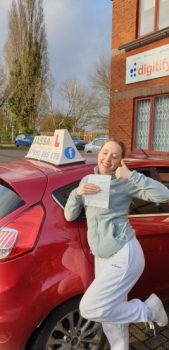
<point x="120" y="143"/>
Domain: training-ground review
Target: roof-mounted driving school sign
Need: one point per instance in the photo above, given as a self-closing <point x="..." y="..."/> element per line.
<point x="58" y="149"/>
<point x="148" y="65"/>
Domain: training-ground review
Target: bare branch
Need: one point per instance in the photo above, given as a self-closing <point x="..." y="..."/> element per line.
<point x="100" y="85"/>
<point x="79" y="101"/>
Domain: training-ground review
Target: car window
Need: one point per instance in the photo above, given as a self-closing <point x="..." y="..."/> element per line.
<point x="9" y="200"/>
<point x="75" y="137"/>
<point x="140" y="206"/>
<point x="98" y="142"/>
<point x="61" y="196"/>
<point x="164" y="176"/>
<point x="29" y="136"/>
<point x="102" y="136"/>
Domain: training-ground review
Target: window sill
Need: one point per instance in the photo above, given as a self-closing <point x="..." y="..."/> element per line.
<point x="161" y="34"/>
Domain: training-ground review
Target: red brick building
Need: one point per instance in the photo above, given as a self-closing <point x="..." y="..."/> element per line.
<point x="139" y="103"/>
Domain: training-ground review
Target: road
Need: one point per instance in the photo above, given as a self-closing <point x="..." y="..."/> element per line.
<point x="141" y="338"/>
<point x="11" y="154"/>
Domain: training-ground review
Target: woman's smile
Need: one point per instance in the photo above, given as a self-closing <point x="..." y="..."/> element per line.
<point x="109" y="157"/>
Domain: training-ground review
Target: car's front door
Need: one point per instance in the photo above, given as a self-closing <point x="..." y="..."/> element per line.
<point x="151" y="223"/>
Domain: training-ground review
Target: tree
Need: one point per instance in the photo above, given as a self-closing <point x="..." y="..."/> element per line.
<point x="27" y="61"/>
<point x="3" y="85"/>
<point x="80" y="103"/>
<point x="51" y="122"/>
<point x="46" y="105"/>
<point x="100" y="85"/>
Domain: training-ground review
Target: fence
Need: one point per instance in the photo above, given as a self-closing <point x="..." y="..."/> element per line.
<point x="86" y="135"/>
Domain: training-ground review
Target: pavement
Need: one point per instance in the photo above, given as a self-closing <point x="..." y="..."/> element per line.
<point x="7" y="145"/>
<point x="142" y="338"/>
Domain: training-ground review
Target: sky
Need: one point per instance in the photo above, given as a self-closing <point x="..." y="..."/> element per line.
<point x="78" y="32"/>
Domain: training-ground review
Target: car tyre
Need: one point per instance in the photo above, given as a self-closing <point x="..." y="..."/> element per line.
<point x="89" y="151"/>
<point x="16" y="144"/>
<point x="66" y="328"/>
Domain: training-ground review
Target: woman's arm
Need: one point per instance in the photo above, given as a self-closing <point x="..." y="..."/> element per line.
<point x="143" y="187"/>
<point x="73" y="206"/>
<point x="74" y="203"/>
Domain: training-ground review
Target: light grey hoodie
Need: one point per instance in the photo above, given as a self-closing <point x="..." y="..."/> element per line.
<point x="109" y="229"/>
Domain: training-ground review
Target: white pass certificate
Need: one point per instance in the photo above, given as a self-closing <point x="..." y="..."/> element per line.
<point x="101" y="198"/>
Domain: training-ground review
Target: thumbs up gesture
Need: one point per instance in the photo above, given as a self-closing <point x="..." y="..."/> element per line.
<point x="122" y="172"/>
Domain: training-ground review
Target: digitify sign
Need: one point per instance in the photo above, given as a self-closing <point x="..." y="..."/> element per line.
<point x="148" y="65"/>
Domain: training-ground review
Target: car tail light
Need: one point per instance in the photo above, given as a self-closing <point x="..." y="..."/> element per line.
<point x="20" y="234"/>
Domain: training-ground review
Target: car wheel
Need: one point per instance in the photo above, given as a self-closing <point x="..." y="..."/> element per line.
<point x="89" y="151"/>
<point x="16" y="144"/>
<point x="66" y="329"/>
<point x="26" y="144"/>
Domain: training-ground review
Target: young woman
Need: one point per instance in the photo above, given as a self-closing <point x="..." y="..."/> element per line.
<point x="119" y="259"/>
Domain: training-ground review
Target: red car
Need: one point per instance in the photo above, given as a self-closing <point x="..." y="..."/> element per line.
<point x="45" y="263"/>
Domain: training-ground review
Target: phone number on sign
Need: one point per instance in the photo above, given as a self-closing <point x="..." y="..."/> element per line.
<point x="34" y="153"/>
<point x="44" y="154"/>
<point x="50" y="155"/>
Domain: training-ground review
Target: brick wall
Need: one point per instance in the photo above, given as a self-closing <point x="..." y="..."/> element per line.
<point x="124" y="29"/>
<point x="124" y="22"/>
<point x="121" y="121"/>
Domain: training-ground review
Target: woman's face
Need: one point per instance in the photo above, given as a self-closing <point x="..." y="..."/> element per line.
<point x="109" y="157"/>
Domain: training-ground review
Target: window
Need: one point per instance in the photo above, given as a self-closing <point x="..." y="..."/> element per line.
<point x="61" y="196"/>
<point x="98" y="142"/>
<point x="164" y="176"/>
<point x="153" y="16"/>
<point x="139" y="206"/>
<point x="9" y="200"/>
<point x="151" y="130"/>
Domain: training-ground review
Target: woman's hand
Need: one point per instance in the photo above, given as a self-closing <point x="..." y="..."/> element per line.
<point x="122" y="172"/>
<point x="87" y="188"/>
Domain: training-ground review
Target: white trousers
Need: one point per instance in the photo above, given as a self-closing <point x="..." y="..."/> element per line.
<point x="105" y="300"/>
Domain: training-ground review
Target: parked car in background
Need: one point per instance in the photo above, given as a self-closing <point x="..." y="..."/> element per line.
<point x="24" y="140"/>
<point x="79" y="143"/>
<point x="94" y="146"/>
<point x="102" y="136"/>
